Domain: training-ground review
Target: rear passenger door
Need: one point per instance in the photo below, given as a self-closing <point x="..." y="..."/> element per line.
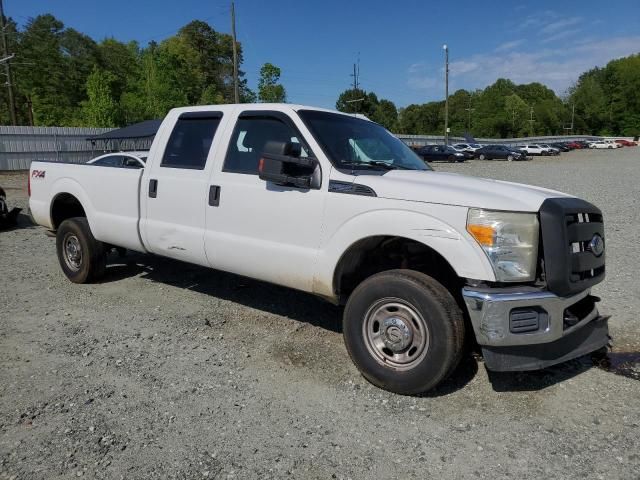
<point x="176" y="188"/>
<point x="257" y="228"/>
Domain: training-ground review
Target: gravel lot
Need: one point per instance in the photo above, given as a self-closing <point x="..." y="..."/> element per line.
<point x="167" y="370"/>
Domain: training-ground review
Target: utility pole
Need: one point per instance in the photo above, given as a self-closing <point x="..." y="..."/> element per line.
<point x="446" y="94"/>
<point x="236" y="87"/>
<point x="7" y="67"/>
<point x="531" y="120"/>
<point x="356" y="84"/>
<point x="356" y="73"/>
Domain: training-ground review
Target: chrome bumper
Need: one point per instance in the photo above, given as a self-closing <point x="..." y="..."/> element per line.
<point x="490" y="316"/>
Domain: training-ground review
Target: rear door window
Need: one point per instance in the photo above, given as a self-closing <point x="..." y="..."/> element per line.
<point x="190" y="140"/>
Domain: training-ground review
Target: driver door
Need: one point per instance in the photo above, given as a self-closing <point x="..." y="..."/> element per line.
<point x="260" y="229"/>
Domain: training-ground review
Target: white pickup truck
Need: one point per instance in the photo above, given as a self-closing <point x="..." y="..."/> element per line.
<point x="335" y="205"/>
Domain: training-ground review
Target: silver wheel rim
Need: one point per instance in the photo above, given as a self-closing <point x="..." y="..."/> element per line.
<point x="72" y="252"/>
<point x="396" y="335"/>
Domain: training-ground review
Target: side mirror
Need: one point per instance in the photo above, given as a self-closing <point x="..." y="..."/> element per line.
<point x="281" y="164"/>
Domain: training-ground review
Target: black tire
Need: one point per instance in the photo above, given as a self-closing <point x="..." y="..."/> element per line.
<point x="435" y="311"/>
<point x="451" y="159"/>
<point x="483" y="157"/>
<point x="82" y="257"/>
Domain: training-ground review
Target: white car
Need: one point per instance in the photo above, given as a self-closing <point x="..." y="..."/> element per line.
<point x="135" y="159"/>
<point x="333" y="205"/>
<point x="550" y="149"/>
<point x="467" y="147"/>
<point x="601" y="144"/>
<point x="613" y="143"/>
<point x="534" y="149"/>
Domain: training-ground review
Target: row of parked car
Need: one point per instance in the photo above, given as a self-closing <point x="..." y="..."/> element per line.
<point x="460" y="152"/>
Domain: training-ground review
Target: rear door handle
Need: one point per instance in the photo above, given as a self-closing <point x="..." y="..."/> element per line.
<point x="153" y="188"/>
<point x="214" y="195"/>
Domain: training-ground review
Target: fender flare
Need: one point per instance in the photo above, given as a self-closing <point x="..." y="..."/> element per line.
<point x="453" y="243"/>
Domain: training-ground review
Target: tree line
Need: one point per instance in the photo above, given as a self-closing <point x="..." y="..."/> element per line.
<point x="604" y="101"/>
<point x="62" y="77"/>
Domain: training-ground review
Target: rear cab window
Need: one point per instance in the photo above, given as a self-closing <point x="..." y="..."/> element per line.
<point x="190" y="141"/>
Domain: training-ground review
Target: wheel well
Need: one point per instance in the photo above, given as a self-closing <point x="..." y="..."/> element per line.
<point x="65" y="206"/>
<point x="376" y="254"/>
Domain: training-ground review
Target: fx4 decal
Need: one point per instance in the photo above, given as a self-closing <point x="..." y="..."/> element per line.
<point x="38" y="173"/>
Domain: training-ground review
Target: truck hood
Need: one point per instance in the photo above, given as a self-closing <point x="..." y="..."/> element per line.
<point x="455" y="189"/>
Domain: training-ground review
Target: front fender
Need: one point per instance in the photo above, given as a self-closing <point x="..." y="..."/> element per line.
<point x="450" y="239"/>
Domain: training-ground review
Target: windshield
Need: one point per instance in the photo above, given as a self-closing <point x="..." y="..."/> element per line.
<point x="353" y="143"/>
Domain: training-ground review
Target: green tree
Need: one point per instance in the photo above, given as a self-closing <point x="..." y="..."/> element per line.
<point x="42" y="73"/>
<point x="386" y="114"/>
<point x="269" y="90"/>
<point x="516" y="109"/>
<point x="100" y="109"/>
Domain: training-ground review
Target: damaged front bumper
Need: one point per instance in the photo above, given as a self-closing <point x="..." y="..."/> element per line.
<point x="533" y="329"/>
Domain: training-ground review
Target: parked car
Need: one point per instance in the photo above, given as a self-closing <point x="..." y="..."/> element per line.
<point x="444" y="153"/>
<point x="575" y="145"/>
<point x="501" y="152"/>
<point x="533" y="149"/>
<point x="121" y="160"/>
<point x="467" y="147"/>
<point x="550" y="149"/>
<point x="613" y="143"/>
<point x="625" y="143"/>
<point x="601" y="145"/>
<point x="563" y="147"/>
<point x="422" y="260"/>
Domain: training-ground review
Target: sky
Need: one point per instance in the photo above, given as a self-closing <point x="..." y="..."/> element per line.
<point x="399" y="43"/>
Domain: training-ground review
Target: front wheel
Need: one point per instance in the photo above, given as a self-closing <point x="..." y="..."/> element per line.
<point x="404" y="331"/>
<point x="81" y="256"/>
<point x="510" y="158"/>
<point x="482" y="156"/>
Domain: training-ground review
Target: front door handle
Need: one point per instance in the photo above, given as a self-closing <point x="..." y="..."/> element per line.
<point x="153" y="188"/>
<point x="214" y="195"/>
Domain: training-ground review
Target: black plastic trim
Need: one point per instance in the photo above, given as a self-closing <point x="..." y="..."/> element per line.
<point x="593" y="336"/>
<point x="214" y="195"/>
<point x="337" y="186"/>
<point x="153" y="188"/>
<point x="568" y="272"/>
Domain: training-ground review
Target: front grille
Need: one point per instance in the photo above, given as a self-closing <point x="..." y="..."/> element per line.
<point x="573" y="244"/>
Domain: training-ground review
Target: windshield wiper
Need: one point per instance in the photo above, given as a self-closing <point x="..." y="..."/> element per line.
<point x="361" y="165"/>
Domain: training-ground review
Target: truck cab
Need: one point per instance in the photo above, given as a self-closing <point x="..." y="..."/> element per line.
<point x="335" y="205"/>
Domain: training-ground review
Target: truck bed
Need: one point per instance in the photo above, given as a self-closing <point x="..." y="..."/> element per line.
<point x="110" y="196"/>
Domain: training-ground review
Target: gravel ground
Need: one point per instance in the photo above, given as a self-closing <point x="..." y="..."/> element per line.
<point x="167" y="370"/>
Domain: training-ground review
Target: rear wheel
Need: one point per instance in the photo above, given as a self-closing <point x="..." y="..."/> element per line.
<point x="404" y="331"/>
<point x="81" y="256"/>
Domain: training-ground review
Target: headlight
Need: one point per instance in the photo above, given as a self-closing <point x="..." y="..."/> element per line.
<point x="510" y="240"/>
